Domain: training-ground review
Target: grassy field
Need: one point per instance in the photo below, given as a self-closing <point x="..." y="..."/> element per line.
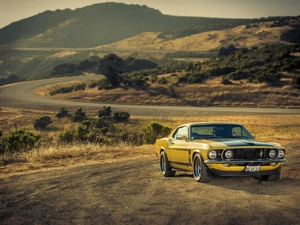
<point x="210" y="93"/>
<point x="281" y="128"/>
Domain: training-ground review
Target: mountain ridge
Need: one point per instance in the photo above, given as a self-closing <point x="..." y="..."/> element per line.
<point x="100" y="24"/>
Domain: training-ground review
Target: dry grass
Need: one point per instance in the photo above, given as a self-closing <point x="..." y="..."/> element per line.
<point x="210" y="93"/>
<point x="240" y="36"/>
<point x="284" y="129"/>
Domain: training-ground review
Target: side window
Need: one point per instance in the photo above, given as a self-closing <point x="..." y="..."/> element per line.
<point x="180" y="133"/>
<point x="238" y="131"/>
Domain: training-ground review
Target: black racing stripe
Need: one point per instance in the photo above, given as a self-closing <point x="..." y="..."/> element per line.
<point x="243" y="143"/>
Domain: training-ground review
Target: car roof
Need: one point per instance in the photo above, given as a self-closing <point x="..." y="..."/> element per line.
<point x="210" y="123"/>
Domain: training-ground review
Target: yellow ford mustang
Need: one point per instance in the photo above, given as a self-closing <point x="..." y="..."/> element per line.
<point x="223" y="149"/>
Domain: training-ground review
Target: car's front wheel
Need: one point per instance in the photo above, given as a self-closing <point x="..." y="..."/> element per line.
<point x="200" y="170"/>
<point x="165" y="165"/>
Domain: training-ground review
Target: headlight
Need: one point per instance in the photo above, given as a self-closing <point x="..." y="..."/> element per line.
<point x="281" y="154"/>
<point x="272" y="153"/>
<point x="212" y="155"/>
<point x="228" y="154"/>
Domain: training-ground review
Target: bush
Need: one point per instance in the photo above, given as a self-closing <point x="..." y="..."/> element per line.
<point x="121" y="116"/>
<point x="42" y="123"/>
<point x="78" y="116"/>
<point x="195" y="78"/>
<point x="66" y="136"/>
<point x="20" y="141"/>
<point x="104" y="121"/>
<point x="154" y="131"/>
<point x="62" y="113"/>
<point x="105" y="84"/>
<point x="81" y="133"/>
<point x="105" y="111"/>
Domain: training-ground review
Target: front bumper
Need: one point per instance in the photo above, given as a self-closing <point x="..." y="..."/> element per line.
<point x="258" y="161"/>
<point x="238" y="167"/>
<point x="243" y="173"/>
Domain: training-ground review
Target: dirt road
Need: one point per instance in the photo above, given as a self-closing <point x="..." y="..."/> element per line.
<point x="134" y="192"/>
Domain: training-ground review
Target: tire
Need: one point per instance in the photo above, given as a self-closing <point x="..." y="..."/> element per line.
<point x="269" y="178"/>
<point x="200" y="171"/>
<point x="165" y="165"/>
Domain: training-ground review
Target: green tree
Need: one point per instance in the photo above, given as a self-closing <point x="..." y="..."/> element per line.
<point x="111" y="66"/>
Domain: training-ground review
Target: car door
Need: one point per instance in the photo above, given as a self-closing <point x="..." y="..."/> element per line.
<point x="178" y="152"/>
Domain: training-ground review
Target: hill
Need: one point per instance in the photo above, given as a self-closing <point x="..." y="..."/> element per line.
<point x="100" y="24"/>
<point x="242" y="36"/>
<point x="31" y="48"/>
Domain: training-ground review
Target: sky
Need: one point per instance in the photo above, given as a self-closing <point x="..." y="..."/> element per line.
<point x="15" y="10"/>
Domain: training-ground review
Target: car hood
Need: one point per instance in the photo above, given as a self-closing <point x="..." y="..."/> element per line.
<point x="243" y="143"/>
<point x="228" y="143"/>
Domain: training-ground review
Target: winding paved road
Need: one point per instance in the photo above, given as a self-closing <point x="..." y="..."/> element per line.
<point x="20" y="95"/>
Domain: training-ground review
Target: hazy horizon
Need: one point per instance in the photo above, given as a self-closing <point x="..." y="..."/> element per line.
<point x="15" y="10"/>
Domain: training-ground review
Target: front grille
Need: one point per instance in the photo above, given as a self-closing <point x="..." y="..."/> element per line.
<point x="250" y="153"/>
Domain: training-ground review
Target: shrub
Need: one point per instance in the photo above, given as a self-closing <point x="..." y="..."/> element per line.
<point x="121" y="116"/>
<point x="42" y="123"/>
<point x="66" y="136"/>
<point x="154" y="131"/>
<point x="105" y="111"/>
<point x="104" y="121"/>
<point x="78" y="116"/>
<point x="81" y="133"/>
<point x="105" y="84"/>
<point x="19" y="141"/>
<point x="62" y="113"/>
<point x="195" y="78"/>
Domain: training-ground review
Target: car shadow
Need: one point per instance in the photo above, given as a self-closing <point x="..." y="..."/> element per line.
<point x="248" y="184"/>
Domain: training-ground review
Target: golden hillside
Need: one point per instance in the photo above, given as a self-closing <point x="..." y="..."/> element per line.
<point x="241" y="36"/>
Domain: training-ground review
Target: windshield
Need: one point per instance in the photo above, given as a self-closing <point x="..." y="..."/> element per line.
<point x="219" y="131"/>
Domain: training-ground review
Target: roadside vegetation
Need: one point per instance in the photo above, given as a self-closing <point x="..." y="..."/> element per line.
<point x="108" y="128"/>
<point x="266" y="65"/>
<point x="256" y="77"/>
<point x="100" y="137"/>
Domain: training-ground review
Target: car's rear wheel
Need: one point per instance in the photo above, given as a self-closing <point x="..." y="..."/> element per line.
<point x="165" y="165"/>
<point x="200" y="170"/>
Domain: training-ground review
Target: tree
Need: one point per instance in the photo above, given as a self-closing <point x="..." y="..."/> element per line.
<point x="111" y="66"/>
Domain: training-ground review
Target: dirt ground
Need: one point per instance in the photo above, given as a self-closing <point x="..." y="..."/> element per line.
<point x="134" y="192"/>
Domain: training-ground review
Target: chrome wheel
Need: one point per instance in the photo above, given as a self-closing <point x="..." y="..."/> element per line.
<point x="200" y="170"/>
<point x="165" y="165"/>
